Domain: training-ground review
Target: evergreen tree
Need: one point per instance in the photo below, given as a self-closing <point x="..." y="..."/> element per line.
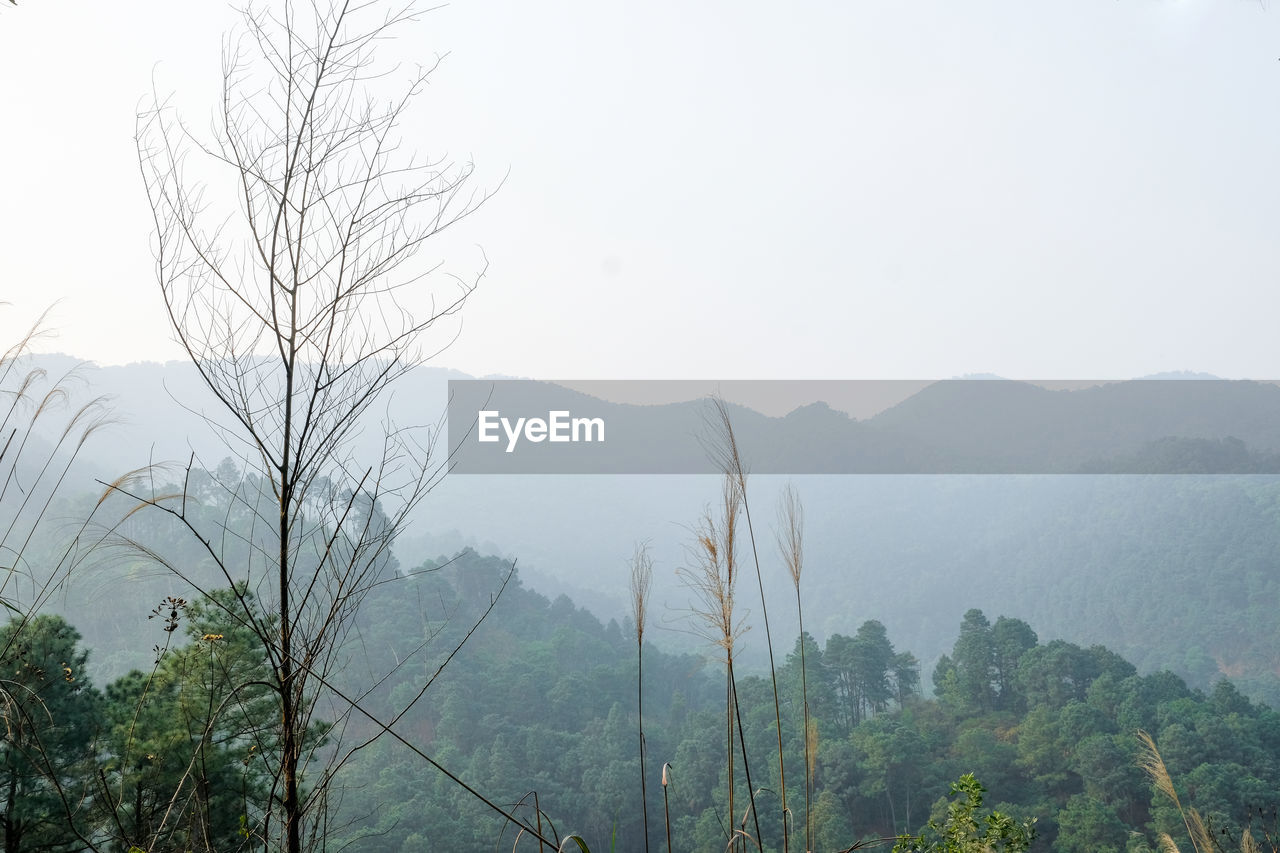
<point x="190" y="743"/>
<point x="975" y="661"/>
<point x="46" y="744"/>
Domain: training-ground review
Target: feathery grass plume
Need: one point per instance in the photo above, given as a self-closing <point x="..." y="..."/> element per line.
<point x="790" y="536"/>
<point x="713" y="576"/>
<point x="790" y="533"/>
<point x="41" y="436"/>
<point x="725" y="453"/>
<point x="1153" y="765"/>
<point x="1247" y="844"/>
<point x="713" y="580"/>
<point x="641" y="584"/>
<point x="44" y="427"/>
<point x="1201" y="839"/>
<point x="1166" y="845"/>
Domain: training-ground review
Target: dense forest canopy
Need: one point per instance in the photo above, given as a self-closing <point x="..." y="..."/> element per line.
<point x="143" y="718"/>
<point x="542" y="699"/>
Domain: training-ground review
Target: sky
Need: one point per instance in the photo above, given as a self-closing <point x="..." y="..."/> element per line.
<point x="737" y="190"/>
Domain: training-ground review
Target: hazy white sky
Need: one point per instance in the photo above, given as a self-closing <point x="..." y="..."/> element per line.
<point x="1082" y="188"/>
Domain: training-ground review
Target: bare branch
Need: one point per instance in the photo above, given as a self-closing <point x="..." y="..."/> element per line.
<point x="291" y="303"/>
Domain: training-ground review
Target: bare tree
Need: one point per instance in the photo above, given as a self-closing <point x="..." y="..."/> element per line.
<point x="290" y="302"/>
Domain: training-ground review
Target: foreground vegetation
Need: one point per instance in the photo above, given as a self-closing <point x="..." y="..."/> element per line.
<point x="542" y="699"/>
<point x="531" y="727"/>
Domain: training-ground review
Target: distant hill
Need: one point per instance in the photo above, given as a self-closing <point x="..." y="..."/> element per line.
<point x="948" y="427"/>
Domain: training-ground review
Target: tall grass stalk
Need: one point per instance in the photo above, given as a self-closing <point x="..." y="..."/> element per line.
<point x="791" y="545"/>
<point x="713" y="580"/>
<point x="666" y="806"/>
<point x="726" y="454"/>
<point x="641" y="584"/>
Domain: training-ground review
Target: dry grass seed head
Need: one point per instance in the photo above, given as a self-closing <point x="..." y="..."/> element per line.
<point x="641" y="584"/>
<point x="1201" y="840"/>
<point x="723" y="446"/>
<point x="714" y="575"/>
<point x="791" y="532"/>
<point x="1153" y="765"/>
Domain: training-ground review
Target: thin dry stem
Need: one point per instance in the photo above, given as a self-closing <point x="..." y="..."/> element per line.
<point x="790" y="536"/>
<point x="641" y="583"/>
<point x="725" y="451"/>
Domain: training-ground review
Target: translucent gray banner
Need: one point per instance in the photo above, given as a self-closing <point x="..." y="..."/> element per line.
<point x="984" y="426"/>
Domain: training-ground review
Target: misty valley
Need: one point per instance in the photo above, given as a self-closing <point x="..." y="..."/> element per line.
<point x="995" y="643"/>
<point x="290" y="563"/>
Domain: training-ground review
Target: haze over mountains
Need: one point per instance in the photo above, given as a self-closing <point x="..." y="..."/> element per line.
<point x="1172" y="571"/>
<point x="947" y="426"/>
